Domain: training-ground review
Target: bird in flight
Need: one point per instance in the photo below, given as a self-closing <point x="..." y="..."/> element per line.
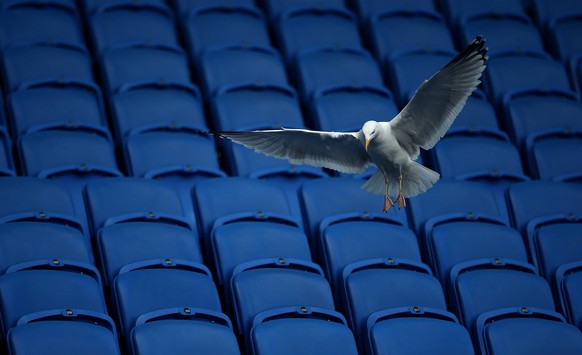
<point x="390" y="146"/>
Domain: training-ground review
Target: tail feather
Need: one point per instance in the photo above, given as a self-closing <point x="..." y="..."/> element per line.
<point x="416" y="179"/>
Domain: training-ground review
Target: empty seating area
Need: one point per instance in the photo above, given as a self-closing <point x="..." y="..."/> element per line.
<point x="127" y="228"/>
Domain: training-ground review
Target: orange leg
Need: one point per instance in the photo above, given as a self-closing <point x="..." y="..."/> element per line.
<point x="400" y="199"/>
<point x="388" y="204"/>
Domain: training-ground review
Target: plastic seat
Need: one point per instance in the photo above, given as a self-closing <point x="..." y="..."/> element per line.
<point x="527" y="330"/>
<point x="534" y="116"/>
<point x="154" y="106"/>
<point x="62" y="331"/>
<point x="180" y="330"/>
<point x="126" y="243"/>
<point x="45" y="285"/>
<point x="252" y="105"/>
<point x="569" y="285"/>
<point x="266" y="284"/>
<point x="546" y="12"/>
<point x="454" y="243"/>
<point x="7" y="167"/>
<point x="241" y="242"/>
<point x="417" y="330"/>
<point x="26" y="65"/>
<point x="323" y="68"/>
<point x="562" y="35"/>
<point x="307" y="27"/>
<point x="346" y="108"/>
<point x="459" y="10"/>
<point x="547" y="226"/>
<point x="211" y="25"/>
<point x="369" y="8"/>
<point x="118" y="23"/>
<point x="126" y="66"/>
<point x="28" y="241"/>
<point x="568" y="168"/>
<point x="323" y="207"/>
<point x="173" y="156"/>
<point x="417" y="29"/>
<point x="57" y="105"/>
<point x="157" y="284"/>
<point x="466" y="202"/>
<point x="248" y="200"/>
<point x="228" y="65"/>
<point x="23" y="22"/>
<point x="510" y="72"/>
<point x="38" y="200"/>
<point x="320" y="331"/>
<point x="185" y="7"/>
<point x="276" y="8"/>
<point x="504" y="31"/>
<point x="484" y="285"/>
<point x="375" y="285"/>
<point x="410" y="68"/>
<point x="121" y="200"/>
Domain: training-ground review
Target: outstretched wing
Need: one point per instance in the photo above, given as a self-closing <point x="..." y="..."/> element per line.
<point x="438" y="101"/>
<point x="334" y="150"/>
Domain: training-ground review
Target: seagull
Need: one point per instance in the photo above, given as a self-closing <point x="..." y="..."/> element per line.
<point x="391" y="146"/>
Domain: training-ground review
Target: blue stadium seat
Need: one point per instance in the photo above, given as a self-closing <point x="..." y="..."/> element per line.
<point x="74" y="158"/>
<point x="70" y="105"/>
<point x="25" y="21"/>
<point x="221" y="24"/>
<point x="184" y="7"/>
<point x="28" y="241"/>
<point x="322" y="206"/>
<point x="478" y="118"/>
<point x="121" y="200"/>
<point x="368" y="8"/>
<point x="301" y="330"/>
<point x="26" y="65"/>
<point x="417" y="29"/>
<point x="228" y="65"/>
<point x="538" y="222"/>
<point x="417" y="330"/>
<point x="181" y="331"/>
<point x="559" y="251"/>
<point x="503" y="31"/>
<point x="38" y="200"/>
<point x="453" y="243"/>
<point x="45" y="285"/>
<point x="237" y="243"/>
<point x="256" y="105"/>
<point x="7" y="167"/>
<point x="117" y="23"/>
<point x="411" y="68"/>
<point x="307" y="27"/>
<point x="545" y="12"/>
<point x="484" y="285"/>
<point x="155" y="106"/>
<point x="126" y="66"/>
<point x="276" y="8"/>
<point x="321" y="68"/>
<point x="172" y="156"/>
<point x="568" y="168"/>
<point x="466" y="202"/>
<point x="458" y="10"/>
<point x="265" y="284"/>
<point x="510" y="72"/>
<point x="375" y="285"/>
<point x="562" y="35"/>
<point x="576" y="72"/>
<point x="61" y="331"/>
<point x="527" y="330"/>
<point x="347" y="107"/>
<point x="229" y="200"/>
<point x="126" y="243"/>
<point x="157" y="284"/>
<point x="533" y="116"/>
<point x="569" y="286"/>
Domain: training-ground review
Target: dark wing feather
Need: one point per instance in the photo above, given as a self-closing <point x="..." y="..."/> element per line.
<point x="438" y="101"/>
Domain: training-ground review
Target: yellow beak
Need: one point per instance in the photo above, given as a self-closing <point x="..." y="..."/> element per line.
<point x="366" y="144"/>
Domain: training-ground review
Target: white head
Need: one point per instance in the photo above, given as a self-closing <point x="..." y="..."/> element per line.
<point x="370" y="130"/>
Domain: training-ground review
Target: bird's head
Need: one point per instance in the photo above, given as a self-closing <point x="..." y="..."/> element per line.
<point x="369" y="130"/>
